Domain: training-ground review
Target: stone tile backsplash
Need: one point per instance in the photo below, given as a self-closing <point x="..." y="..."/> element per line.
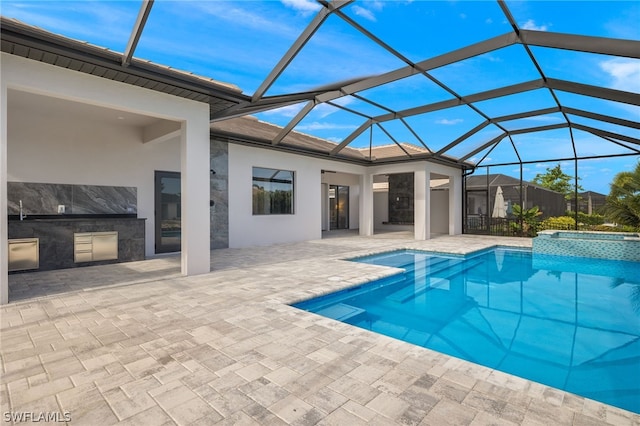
<point x="44" y="199"/>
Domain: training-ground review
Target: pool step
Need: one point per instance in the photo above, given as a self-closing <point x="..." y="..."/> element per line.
<point x="340" y="311"/>
<point x="434" y="277"/>
<point x="431" y="264"/>
<point x="403" y="261"/>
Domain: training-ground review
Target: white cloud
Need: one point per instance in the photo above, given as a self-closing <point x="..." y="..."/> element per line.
<point x="237" y="15"/>
<point x="447" y="122"/>
<point x="377" y="5"/>
<point x="344" y="101"/>
<point x="365" y="13"/>
<point x="488" y="21"/>
<point x="325" y="110"/>
<point x="543" y="118"/>
<point x="304" y="6"/>
<point x="476" y="159"/>
<point x="326" y="126"/>
<point x="320" y="111"/>
<point x="531" y="25"/>
<point x="624" y="73"/>
<point x="287" y="111"/>
<point x="71" y="19"/>
<point x="336" y="140"/>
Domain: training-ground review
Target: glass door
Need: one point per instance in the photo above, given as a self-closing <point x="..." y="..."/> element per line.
<point x="167" y="211"/>
<point x="338" y="207"/>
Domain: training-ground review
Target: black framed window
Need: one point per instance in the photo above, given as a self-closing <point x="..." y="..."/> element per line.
<point x="272" y="191"/>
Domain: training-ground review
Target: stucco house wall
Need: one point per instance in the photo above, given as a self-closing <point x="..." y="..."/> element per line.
<point x="246" y="229"/>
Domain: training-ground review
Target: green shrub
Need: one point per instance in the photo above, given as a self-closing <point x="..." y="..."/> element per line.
<point x="590" y="219"/>
<point x="587" y="219"/>
<point x="559" y="222"/>
<point x="619" y="228"/>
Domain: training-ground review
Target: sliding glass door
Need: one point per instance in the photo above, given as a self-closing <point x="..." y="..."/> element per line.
<point x="338" y="207"/>
<point x="168" y="212"/>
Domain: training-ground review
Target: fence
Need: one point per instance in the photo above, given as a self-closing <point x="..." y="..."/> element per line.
<point x="514" y="227"/>
<point x="494" y="226"/>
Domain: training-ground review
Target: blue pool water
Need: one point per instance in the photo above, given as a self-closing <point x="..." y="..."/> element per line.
<point x="568" y="322"/>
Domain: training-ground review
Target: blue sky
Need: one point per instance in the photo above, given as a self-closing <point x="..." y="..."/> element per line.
<point x="240" y="42"/>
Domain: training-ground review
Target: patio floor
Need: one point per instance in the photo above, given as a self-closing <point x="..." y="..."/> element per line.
<point x="136" y="343"/>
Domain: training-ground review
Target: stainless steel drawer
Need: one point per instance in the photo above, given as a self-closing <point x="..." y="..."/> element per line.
<point x="24" y="254"/>
<point x="84" y="247"/>
<point x="94" y="246"/>
<point x="83" y="257"/>
<point x="82" y="238"/>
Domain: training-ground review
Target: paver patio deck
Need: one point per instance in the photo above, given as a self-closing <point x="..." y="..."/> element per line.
<point x="137" y="343"/>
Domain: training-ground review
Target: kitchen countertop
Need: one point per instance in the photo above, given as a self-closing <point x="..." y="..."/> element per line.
<point x="68" y="218"/>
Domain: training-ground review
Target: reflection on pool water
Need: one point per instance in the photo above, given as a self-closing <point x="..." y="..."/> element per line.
<point x="568" y="322"/>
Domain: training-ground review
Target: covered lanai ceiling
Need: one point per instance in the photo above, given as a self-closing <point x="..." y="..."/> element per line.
<point x="508" y="89"/>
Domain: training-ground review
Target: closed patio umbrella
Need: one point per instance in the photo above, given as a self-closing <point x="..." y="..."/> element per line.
<point x="498" y="206"/>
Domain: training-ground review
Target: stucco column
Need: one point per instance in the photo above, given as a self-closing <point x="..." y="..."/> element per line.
<point x="366" y="204"/>
<point x="4" y="255"/>
<point x="421" y="205"/>
<point x="194" y="144"/>
<point x="455" y="205"/>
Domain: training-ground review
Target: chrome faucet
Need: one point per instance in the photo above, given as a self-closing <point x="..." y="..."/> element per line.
<point x="22" y="215"/>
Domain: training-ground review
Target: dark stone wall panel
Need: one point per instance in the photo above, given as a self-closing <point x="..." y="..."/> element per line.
<point x="219" y="193"/>
<point x="44" y="199"/>
<point x="401" y="198"/>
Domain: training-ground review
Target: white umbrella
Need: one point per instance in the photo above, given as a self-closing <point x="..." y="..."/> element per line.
<point x="498" y="205"/>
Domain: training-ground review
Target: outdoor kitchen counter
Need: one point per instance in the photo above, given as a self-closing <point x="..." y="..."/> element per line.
<point x="56" y="237"/>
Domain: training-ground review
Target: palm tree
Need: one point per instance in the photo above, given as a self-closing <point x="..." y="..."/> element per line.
<point x="623" y="202"/>
<point x="529" y="221"/>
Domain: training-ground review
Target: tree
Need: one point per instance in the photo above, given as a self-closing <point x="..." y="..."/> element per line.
<point x="623" y="202"/>
<point x="557" y="180"/>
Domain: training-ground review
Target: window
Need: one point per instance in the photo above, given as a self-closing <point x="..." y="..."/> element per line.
<point x="272" y="191"/>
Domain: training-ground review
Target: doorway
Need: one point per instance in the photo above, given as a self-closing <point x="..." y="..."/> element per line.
<point x="477" y="212"/>
<point x="168" y="212"/>
<point x="338" y="207"/>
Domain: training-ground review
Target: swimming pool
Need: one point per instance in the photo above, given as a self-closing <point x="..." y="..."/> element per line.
<point x="567" y="322"/>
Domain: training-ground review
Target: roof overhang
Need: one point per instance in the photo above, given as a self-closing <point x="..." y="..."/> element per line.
<point x="39" y="45"/>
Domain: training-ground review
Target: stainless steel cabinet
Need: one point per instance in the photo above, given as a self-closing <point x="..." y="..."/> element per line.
<point x="24" y="254"/>
<point x="94" y="246"/>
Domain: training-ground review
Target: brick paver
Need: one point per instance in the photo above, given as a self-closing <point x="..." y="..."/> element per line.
<point x="137" y="343"/>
